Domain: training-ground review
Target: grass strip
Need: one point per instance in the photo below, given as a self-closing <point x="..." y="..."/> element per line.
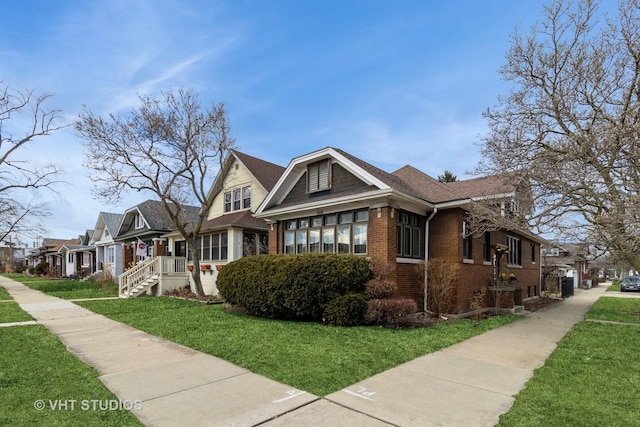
<point x="11" y="312"/>
<point x="67" y="289"/>
<point x="38" y="370"/>
<point x="626" y="310"/>
<point x="309" y="356"/>
<point x="4" y="295"/>
<point x="590" y="379"/>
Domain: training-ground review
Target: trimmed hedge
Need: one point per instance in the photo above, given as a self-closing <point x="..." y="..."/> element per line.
<point x="291" y="286"/>
<point x="346" y="310"/>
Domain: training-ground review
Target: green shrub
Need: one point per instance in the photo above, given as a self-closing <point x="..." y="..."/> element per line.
<point x="346" y="310"/>
<point x="291" y="286"/>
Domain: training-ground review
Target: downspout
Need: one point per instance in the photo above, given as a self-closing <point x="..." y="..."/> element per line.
<point x="540" y="272"/>
<point x="426" y="256"/>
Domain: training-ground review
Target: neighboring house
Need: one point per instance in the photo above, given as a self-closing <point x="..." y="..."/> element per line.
<point x="109" y="256"/>
<point x="145" y="256"/>
<point x="49" y="252"/>
<point x="331" y="201"/>
<point x="78" y="259"/>
<point x="566" y="264"/>
<point x="230" y="230"/>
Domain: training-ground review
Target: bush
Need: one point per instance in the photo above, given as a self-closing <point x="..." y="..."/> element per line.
<point x="390" y="312"/>
<point x="291" y="286"/>
<point x="42" y="268"/>
<point x="346" y="310"/>
<point x="380" y="288"/>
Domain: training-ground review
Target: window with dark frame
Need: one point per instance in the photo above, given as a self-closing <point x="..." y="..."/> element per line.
<point x="486" y="246"/>
<point x="467" y="241"/>
<point x="227" y="201"/>
<point x="344" y="233"/>
<point x="408" y="235"/>
<point x="533" y="252"/>
<point x="236" y="199"/>
<point x="246" y="197"/>
<point x="514" y="257"/>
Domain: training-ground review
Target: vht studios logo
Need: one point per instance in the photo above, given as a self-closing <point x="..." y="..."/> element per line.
<point x="87" y="405"/>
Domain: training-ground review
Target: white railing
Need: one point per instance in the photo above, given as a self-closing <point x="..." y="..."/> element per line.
<point x="157" y="266"/>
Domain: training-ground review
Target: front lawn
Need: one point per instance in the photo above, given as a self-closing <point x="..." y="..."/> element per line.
<point x="11" y="312"/>
<point x="40" y="380"/>
<point x="625" y="310"/>
<point x="4" y="295"/>
<point x="592" y="377"/>
<point x="308" y="356"/>
<point x="67" y="289"/>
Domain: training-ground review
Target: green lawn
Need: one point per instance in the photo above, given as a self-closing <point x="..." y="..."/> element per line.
<point x="67" y="289"/>
<point x="592" y="378"/>
<point x="616" y="309"/>
<point x="11" y="312"/>
<point x="36" y="369"/>
<point x="615" y="286"/>
<point x="4" y="295"/>
<point x="309" y="356"/>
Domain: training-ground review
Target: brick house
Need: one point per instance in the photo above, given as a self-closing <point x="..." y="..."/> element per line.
<point x="331" y="201"/>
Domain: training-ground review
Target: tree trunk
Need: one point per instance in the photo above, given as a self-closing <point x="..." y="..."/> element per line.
<point x="197" y="280"/>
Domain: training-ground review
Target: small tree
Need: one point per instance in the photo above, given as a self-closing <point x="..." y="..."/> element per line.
<point x="170" y="147"/>
<point x="442" y="276"/>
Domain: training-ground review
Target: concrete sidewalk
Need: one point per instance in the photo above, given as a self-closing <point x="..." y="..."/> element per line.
<point x="471" y="383"/>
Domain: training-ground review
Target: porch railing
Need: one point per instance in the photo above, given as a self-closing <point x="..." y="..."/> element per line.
<point x="156" y="266"/>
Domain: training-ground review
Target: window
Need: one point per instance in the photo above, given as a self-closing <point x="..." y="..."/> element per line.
<point x="314" y="240"/>
<point x="515" y="251"/>
<point x="360" y="239"/>
<point x="206" y="248"/>
<point x="139" y="221"/>
<point x="533" y="252"/>
<point x="328" y="240"/>
<point x="236" y="200"/>
<point x="408" y="235"/>
<point x="318" y="176"/>
<point x="211" y="247"/>
<point x="344" y="239"/>
<point x="486" y="246"/>
<point x="246" y="197"/>
<point x="227" y="201"/>
<point x="343" y="233"/>
<point x="467" y="241"/>
<point x="71" y="257"/>
<point x="111" y="254"/>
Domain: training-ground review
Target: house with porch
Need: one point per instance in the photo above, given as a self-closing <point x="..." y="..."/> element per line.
<point x="49" y="252"/>
<point x="230" y="231"/>
<point x="331" y="201"/>
<point x="79" y="258"/>
<point x="109" y="256"/>
<point x="149" y="268"/>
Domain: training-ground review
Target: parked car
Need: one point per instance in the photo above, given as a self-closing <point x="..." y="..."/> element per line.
<point x="630" y="283"/>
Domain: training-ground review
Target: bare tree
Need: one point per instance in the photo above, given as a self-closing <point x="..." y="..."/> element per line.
<point x="570" y="125"/>
<point x="22" y="109"/>
<point x="170" y="147"/>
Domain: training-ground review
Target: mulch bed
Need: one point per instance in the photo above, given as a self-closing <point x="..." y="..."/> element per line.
<point x="540" y="303"/>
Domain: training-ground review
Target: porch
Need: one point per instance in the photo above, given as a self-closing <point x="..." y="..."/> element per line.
<point x="154" y="276"/>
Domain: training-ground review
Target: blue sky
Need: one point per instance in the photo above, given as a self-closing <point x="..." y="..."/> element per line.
<point x="392" y="82"/>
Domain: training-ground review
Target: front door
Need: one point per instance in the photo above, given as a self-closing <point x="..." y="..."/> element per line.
<point x="180" y="248"/>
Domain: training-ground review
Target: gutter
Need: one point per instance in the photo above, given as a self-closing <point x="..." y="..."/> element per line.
<point x="426" y="257"/>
